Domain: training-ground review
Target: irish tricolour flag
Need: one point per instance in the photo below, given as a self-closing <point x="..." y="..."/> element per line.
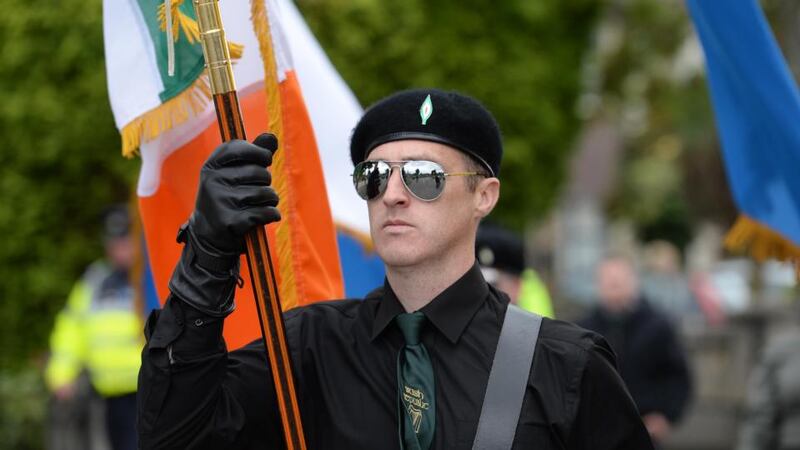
<point x="161" y="102"/>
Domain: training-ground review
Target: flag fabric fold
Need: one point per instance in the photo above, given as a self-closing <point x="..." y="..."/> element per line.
<point x="171" y="121"/>
<point x="757" y="108"/>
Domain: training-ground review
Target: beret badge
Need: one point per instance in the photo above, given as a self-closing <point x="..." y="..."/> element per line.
<point x="426" y="109"/>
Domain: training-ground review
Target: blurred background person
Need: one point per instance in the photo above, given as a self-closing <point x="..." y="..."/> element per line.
<point x="501" y="255"/>
<point x="772" y="408"/>
<point x="650" y="357"/>
<point x="100" y="332"/>
<point x="664" y="282"/>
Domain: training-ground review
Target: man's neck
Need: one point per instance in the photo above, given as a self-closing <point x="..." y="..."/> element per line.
<point x="416" y="286"/>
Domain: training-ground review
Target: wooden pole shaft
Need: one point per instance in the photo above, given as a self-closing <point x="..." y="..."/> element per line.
<point x="265" y="290"/>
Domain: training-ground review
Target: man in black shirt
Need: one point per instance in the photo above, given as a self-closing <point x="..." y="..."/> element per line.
<point x="406" y="367"/>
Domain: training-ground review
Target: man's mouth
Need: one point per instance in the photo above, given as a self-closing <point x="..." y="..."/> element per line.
<point x="395" y="224"/>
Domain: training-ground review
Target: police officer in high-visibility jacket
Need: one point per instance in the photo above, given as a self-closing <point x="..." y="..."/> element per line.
<point x="99" y="330"/>
<point x="501" y="255"/>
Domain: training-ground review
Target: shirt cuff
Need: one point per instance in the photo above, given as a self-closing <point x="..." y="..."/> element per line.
<point x="189" y="332"/>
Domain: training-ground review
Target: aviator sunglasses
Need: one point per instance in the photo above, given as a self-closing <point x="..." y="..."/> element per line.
<point x="423" y="179"/>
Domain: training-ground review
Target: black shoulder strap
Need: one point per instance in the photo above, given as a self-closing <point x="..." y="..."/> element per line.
<point x="508" y="378"/>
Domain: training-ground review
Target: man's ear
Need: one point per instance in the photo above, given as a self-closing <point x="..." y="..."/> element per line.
<point x="486" y="195"/>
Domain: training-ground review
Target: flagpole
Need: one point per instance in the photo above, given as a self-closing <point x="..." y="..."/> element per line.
<point x="262" y="275"/>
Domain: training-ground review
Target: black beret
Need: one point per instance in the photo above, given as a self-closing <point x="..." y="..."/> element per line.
<point x="500" y="249"/>
<point x="433" y="115"/>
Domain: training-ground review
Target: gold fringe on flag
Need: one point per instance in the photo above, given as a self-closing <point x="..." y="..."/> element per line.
<point x="166" y="116"/>
<point x="761" y="242"/>
<point x="290" y="291"/>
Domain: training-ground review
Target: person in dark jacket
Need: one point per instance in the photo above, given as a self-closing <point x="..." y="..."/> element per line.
<point x="649" y="354"/>
<point x="406" y="367"/>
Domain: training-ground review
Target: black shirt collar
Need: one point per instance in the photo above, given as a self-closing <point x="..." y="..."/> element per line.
<point x="449" y="312"/>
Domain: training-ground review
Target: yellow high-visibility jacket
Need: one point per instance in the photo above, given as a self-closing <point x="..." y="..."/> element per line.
<point x="99" y="330"/>
<point x="533" y="295"/>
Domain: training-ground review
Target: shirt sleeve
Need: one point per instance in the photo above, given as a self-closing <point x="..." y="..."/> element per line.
<point x="606" y="417"/>
<point x="193" y="394"/>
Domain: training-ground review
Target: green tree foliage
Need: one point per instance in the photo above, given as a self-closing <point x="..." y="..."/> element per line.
<point x="646" y="74"/>
<point x="23" y="404"/>
<point x="59" y="159"/>
<point x="521" y="58"/>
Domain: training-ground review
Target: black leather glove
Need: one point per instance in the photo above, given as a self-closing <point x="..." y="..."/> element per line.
<point x="234" y="196"/>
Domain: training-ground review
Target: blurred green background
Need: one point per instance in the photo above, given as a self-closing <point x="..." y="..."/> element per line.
<point x="547" y="69"/>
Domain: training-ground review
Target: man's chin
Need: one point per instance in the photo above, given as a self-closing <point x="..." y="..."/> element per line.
<point x="397" y="258"/>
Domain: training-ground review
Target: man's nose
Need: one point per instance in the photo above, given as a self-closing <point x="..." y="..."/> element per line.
<point x="396" y="192"/>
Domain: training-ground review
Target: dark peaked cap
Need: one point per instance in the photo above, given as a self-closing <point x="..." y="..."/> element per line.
<point x="116" y="221"/>
<point x="455" y="120"/>
<point x="500" y="248"/>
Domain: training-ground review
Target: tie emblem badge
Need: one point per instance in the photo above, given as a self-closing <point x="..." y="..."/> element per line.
<point x="415" y="405"/>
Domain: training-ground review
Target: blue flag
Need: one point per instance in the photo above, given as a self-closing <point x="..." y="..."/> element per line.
<point x="757" y="108"/>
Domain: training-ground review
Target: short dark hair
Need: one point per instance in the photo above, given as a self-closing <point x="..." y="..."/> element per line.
<point x="471" y="165"/>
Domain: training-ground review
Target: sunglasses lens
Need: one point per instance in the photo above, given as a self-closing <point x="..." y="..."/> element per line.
<point x="425" y="179"/>
<point x="370" y="178"/>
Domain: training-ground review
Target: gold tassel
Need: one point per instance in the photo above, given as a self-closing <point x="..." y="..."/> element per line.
<point x="180" y="21"/>
<point x="236" y="50"/>
<point x="761" y="242"/>
<point x="190" y="28"/>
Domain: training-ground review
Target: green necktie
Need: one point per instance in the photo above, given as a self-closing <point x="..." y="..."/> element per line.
<point x="416" y="397"/>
